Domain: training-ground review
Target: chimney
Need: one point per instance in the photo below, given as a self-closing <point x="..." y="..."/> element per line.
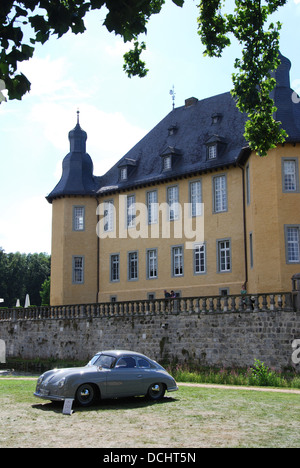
<point x="191" y="102"/>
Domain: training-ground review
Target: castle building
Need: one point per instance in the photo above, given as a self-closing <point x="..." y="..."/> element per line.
<point x="190" y="209"/>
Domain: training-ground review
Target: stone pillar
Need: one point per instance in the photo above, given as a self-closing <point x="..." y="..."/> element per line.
<point x="296" y="291"/>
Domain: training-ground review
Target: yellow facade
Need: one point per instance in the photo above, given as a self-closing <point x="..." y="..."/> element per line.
<point x="68" y="244"/>
<point x="270" y="212"/>
<point x="253" y="228"/>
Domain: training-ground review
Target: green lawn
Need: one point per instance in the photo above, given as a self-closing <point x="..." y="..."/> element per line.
<point x="190" y="418"/>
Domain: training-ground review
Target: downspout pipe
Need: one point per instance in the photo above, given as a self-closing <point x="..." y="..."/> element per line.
<point x="241" y="160"/>
<point x="244" y="224"/>
<point x="98" y="252"/>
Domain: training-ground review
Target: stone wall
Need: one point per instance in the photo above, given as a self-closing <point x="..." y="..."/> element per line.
<point x="216" y="337"/>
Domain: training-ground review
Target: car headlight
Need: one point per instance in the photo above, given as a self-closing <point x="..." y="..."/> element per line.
<point x="40" y="379"/>
<point x="61" y="383"/>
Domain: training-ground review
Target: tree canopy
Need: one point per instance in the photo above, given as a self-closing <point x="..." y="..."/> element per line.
<point x="25" y="23"/>
<point x="22" y="274"/>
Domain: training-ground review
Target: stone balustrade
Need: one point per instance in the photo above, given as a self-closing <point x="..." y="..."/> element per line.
<point x="282" y="301"/>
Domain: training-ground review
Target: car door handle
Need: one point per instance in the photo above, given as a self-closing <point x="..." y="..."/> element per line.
<point x="139" y="376"/>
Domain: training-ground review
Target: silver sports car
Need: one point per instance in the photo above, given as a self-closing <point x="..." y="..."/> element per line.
<point x="109" y="374"/>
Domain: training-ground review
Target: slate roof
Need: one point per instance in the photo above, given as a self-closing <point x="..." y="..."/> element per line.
<point x="184" y="134"/>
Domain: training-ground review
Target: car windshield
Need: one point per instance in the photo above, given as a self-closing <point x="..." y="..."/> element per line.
<point x="102" y="360"/>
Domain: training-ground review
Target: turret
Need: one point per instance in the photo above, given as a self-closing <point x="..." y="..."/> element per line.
<point x="77" y="168"/>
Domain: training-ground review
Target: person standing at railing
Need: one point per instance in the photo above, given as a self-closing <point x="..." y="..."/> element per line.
<point x="243" y="294"/>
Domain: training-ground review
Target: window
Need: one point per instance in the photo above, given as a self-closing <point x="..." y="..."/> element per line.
<point x="150" y="296"/>
<point x="123" y="173"/>
<point x="114" y="267"/>
<point x="196" y="198"/>
<point x="292" y="241"/>
<point x="126" y="363"/>
<point x="143" y="363"/>
<point x="78" y="218"/>
<point x="132" y="266"/>
<point x="177" y="261"/>
<point x="212" y="151"/>
<point x="152" y="207"/>
<point x="172" y="200"/>
<point x="131" y="212"/>
<point x="151" y="263"/>
<point x="109" y="216"/>
<point x="78" y="270"/>
<point x="290" y="175"/>
<point x="167" y="163"/>
<point x="199" y="259"/>
<point x="224" y="256"/>
<point x="220" y="193"/>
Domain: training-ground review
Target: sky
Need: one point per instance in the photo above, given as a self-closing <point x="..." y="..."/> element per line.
<point x="85" y="72"/>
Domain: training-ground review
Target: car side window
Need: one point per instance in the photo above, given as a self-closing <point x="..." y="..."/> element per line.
<point x="126" y="363"/>
<point x="143" y="363"/>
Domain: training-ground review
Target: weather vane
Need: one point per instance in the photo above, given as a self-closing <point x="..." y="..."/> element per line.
<point x="173" y="94"/>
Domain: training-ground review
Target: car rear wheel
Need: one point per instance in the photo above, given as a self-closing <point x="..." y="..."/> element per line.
<point x="156" y="391"/>
<point x="85" y="395"/>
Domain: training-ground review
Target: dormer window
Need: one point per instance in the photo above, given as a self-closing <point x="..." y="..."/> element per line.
<point x="167" y="163"/>
<point x="126" y="167"/>
<point x="169" y="156"/>
<point x="216" y="118"/>
<point x="212" y="151"/>
<point x="172" y="130"/>
<point x="123" y="173"/>
<point x="215" y="146"/>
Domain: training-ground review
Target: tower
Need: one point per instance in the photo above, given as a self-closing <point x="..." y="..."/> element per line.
<point x="74" y="238"/>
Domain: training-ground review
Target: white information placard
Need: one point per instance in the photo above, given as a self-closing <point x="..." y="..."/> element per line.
<point x="67" y="409"/>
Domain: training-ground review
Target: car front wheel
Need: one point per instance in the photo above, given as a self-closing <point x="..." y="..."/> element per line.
<point x="156" y="391"/>
<point x="85" y="395"/>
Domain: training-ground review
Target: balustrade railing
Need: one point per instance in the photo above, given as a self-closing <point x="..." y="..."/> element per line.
<point x="180" y="305"/>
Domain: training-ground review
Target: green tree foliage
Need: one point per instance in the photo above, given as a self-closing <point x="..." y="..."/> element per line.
<point x="22" y="274"/>
<point x="252" y="82"/>
<point x="45" y="292"/>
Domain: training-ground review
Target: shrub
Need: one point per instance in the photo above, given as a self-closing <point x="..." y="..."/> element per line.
<point x="261" y="375"/>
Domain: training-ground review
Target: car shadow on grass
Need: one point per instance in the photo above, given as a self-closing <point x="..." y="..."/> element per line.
<point x="109" y="404"/>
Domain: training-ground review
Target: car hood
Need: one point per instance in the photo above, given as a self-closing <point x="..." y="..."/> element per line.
<point x="58" y="374"/>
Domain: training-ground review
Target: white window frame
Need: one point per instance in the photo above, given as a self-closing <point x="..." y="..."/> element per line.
<point x="292" y="244"/>
<point x="177" y="261"/>
<point x="133" y="266"/>
<point x="78" y="218"/>
<point x="108" y="224"/>
<point x="290" y="175"/>
<point x="123" y="173"/>
<point x="196" y="198"/>
<point x="78" y="269"/>
<point x="151" y="263"/>
<point x="167" y="163"/>
<point x="173" y="202"/>
<point x="220" y="194"/>
<point x="130" y="211"/>
<point x="152" y="207"/>
<point x="200" y="259"/>
<point x="115" y="268"/>
<point x="212" y="151"/>
<point x="224" y="263"/>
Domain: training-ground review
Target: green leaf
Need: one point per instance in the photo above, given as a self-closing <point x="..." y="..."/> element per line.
<point x="179" y="3"/>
